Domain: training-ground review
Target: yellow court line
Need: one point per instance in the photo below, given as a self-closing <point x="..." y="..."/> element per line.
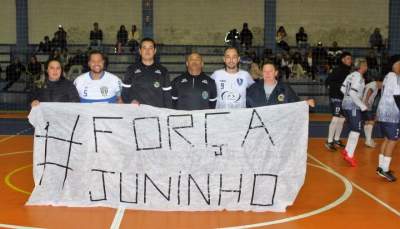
<point x="7" y="179"/>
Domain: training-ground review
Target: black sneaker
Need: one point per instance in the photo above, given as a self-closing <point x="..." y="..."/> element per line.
<point x="387" y="175"/>
<point x="339" y="143"/>
<point x="330" y="146"/>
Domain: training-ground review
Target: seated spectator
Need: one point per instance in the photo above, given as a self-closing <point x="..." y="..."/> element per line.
<point x="45" y="46"/>
<point x="76" y="65"/>
<point x="96" y="36"/>
<point x="34" y="71"/>
<point x="122" y="39"/>
<point x="319" y="60"/>
<point x="302" y="39"/>
<point x="334" y="54"/>
<point x="297" y="68"/>
<point x="133" y="42"/>
<point x="373" y="67"/>
<point x="281" y="39"/>
<point x="13" y="72"/>
<point x="246" y="36"/>
<point x="60" y="38"/>
<point x="375" y="40"/>
<point x="232" y="38"/>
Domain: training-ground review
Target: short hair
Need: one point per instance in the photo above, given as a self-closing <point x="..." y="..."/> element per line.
<point x="94" y="52"/>
<point x="270" y="63"/>
<point x="358" y="62"/>
<point x="231" y="47"/>
<point x="193" y="53"/>
<point x="147" y="39"/>
<point x="344" y="54"/>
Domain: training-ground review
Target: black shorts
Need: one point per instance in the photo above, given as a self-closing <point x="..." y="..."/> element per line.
<point x="336" y="106"/>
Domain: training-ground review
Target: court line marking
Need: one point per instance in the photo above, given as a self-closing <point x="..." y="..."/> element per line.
<point x="370" y="195"/>
<point x="119" y="215"/>
<point x="7" y="179"/>
<point x="346" y="194"/>
<point x="121" y="211"/>
<point x="15" y="135"/>
<point x="14" y="153"/>
<point x="18" y="227"/>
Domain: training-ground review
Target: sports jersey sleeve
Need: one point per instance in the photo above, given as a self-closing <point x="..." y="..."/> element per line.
<point x="128" y="91"/>
<point x="213" y="94"/>
<point x="166" y="87"/>
<point x="250" y="80"/>
<point x="354" y="91"/>
<point x="118" y="89"/>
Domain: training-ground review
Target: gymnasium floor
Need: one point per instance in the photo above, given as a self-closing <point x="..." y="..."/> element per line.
<point x="333" y="196"/>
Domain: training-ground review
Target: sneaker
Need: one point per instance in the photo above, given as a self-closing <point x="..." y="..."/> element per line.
<point x="351" y="160"/>
<point x="370" y="144"/>
<point x="330" y="146"/>
<point x="387" y="175"/>
<point x="339" y="143"/>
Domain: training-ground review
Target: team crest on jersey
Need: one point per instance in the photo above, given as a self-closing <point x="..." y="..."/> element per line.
<point x="156" y="84"/>
<point x="104" y="91"/>
<point x="239" y="81"/>
<point x="204" y="94"/>
<point x="184" y="81"/>
<point x="157" y="71"/>
<point x="138" y="71"/>
<point x="205" y="81"/>
<point x="281" y="97"/>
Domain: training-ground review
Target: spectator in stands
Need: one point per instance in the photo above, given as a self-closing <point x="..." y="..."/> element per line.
<point x="319" y="60"/>
<point x="334" y="53"/>
<point x="194" y="90"/>
<point x="232" y="38"/>
<point x="55" y="88"/>
<point x="60" y="38"/>
<point x="96" y="36"/>
<point x="281" y="36"/>
<point x="372" y="61"/>
<point x="13" y="72"/>
<point x="297" y="68"/>
<point x="133" y="42"/>
<point x="302" y="39"/>
<point x="122" y="39"/>
<point x="376" y="40"/>
<point x="246" y="36"/>
<point x="55" y="54"/>
<point x="75" y="65"/>
<point x="45" y="45"/>
<point x="148" y="82"/>
<point x="33" y="73"/>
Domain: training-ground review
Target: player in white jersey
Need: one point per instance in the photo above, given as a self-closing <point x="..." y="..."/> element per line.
<point x="353" y="90"/>
<point x="231" y="82"/>
<point x="388" y="116"/>
<point x="97" y="85"/>
<point x="370" y="93"/>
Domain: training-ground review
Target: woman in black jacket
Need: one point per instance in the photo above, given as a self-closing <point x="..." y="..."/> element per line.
<point x="270" y="90"/>
<point x="55" y="88"/>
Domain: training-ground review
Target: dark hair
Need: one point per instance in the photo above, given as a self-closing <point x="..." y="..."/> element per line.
<point x="147" y="39"/>
<point x="234" y="48"/>
<point x="269" y="63"/>
<point x="94" y="52"/>
<point x="54" y="60"/>
<point x="344" y="54"/>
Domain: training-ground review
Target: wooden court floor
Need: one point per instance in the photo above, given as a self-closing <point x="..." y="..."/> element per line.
<point x="333" y="196"/>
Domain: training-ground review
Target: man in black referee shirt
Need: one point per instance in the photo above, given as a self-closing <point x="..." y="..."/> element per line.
<point x="194" y="90"/>
<point x="147" y="82"/>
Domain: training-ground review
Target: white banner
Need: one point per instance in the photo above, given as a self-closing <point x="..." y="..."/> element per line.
<point x="149" y="158"/>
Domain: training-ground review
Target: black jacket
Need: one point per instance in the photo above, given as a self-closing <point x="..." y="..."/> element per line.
<point x="193" y="92"/>
<point x="62" y="90"/>
<point x="281" y="94"/>
<point x="148" y="85"/>
<point x="336" y="79"/>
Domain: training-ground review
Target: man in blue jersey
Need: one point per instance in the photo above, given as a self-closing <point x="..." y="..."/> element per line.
<point x="97" y="85"/>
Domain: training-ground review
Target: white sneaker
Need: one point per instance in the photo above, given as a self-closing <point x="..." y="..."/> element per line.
<point x="370" y="144"/>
